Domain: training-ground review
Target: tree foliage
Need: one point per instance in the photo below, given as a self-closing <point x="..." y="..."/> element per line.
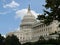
<point x="1" y="40"/>
<point x="52" y="10"/>
<point x="12" y="40"/>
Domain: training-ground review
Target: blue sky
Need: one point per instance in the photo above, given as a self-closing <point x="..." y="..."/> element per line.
<point x="12" y="11"/>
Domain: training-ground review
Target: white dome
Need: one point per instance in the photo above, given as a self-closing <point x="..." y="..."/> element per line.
<point x="29" y="18"/>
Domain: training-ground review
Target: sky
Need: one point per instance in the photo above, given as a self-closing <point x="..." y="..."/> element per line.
<point x="12" y="12"/>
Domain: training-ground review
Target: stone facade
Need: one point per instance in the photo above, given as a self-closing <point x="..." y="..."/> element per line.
<point x="31" y="29"/>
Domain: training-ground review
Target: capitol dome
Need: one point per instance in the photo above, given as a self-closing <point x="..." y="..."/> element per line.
<point x="29" y="18"/>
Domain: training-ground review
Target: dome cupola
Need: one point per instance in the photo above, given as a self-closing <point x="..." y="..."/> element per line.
<point x="29" y="18"/>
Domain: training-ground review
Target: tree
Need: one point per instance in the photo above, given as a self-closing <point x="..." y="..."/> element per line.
<point x="41" y="38"/>
<point x="52" y="10"/>
<point x="2" y="40"/>
<point x="12" y="40"/>
<point x="28" y="43"/>
<point x="41" y="17"/>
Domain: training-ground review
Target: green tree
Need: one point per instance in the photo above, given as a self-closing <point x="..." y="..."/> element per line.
<point x="12" y="40"/>
<point x="2" y="40"/>
<point x="41" y="38"/>
<point x="28" y="43"/>
<point x="41" y="17"/>
<point x="52" y="10"/>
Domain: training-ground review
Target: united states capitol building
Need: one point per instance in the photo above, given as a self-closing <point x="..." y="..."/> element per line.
<point x="31" y="29"/>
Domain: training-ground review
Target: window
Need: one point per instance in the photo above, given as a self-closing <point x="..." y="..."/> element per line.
<point x="20" y="37"/>
<point x="44" y="29"/>
<point x="23" y="38"/>
<point x="41" y="25"/>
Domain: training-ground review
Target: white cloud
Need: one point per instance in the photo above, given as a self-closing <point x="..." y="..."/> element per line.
<point x="13" y="4"/>
<point x="22" y="12"/>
